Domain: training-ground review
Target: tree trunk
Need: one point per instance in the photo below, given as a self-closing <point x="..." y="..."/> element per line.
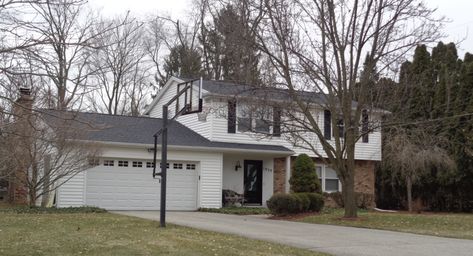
<point x="46" y="185"/>
<point x="349" y="197"/>
<point x="409" y="193"/>
<point x="350" y="203"/>
<point x="32" y="195"/>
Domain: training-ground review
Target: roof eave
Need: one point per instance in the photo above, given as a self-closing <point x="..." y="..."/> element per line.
<point x="196" y="148"/>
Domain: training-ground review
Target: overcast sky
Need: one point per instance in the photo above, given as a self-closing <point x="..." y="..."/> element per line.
<point x="458" y="11"/>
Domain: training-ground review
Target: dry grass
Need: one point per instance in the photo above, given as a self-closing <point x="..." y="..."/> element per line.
<point x="109" y="234"/>
<point x="438" y="224"/>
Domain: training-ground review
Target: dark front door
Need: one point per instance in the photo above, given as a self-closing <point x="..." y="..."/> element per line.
<point x="253" y="181"/>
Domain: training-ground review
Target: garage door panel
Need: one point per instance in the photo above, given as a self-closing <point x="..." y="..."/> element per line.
<point x="126" y="188"/>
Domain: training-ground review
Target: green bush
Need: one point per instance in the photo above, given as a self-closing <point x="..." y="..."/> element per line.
<point x="304" y="177"/>
<point x="284" y="204"/>
<point x="316" y="202"/>
<point x="304" y="201"/>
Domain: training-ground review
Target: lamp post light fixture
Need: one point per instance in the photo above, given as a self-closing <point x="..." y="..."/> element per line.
<point x="237" y="165"/>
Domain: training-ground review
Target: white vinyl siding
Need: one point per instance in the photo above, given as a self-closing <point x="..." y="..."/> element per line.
<point x="71" y="193"/>
<point x="215" y="128"/>
<point x="209" y="171"/>
<point x="191" y="121"/>
<point x="129" y="188"/>
<point x="363" y="151"/>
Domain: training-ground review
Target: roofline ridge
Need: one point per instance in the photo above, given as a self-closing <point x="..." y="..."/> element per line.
<point x="98" y="113"/>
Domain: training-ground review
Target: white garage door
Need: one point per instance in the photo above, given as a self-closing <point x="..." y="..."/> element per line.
<point x="131" y="187"/>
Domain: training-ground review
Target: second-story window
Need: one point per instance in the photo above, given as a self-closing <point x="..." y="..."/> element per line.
<point x="262" y="119"/>
<point x="327" y="124"/>
<point x="364" y="126"/>
<point x="231" y="116"/>
<point x="244" y="118"/>
<point x="277" y="122"/>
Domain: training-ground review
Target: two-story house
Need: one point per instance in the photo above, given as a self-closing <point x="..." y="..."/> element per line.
<point x="226" y="146"/>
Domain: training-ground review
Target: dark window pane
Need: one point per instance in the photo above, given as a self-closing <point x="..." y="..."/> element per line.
<point x="277" y="122"/>
<point x="331" y="185"/>
<point x="244" y="124"/>
<point x="327" y="124"/>
<point x="364" y="128"/>
<point x="262" y="126"/>
<point x="231" y="116"/>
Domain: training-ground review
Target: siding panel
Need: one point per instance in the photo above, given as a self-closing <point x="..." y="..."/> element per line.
<point x="191" y="121"/>
<point x="71" y="193"/>
<point x="363" y="151"/>
<point x="209" y="186"/>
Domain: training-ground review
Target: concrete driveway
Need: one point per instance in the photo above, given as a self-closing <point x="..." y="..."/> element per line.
<point x="334" y="240"/>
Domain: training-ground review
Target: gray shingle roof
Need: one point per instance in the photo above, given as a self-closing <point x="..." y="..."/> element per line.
<point x="140" y="130"/>
<point x="233" y="89"/>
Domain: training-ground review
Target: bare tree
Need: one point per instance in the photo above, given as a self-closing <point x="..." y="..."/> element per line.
<point x="45" y="150"/>
<point x="319" y="46"/>
<point x="121" y="69"/>
<point x="166" y="35"/>
<point x="410" y="153"/>
<point x="64" y="55"/>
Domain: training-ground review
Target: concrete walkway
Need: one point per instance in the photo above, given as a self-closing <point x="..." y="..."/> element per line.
<point x="335" y="240"/>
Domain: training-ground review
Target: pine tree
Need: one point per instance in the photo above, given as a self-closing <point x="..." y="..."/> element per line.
<point x="230" y="47"/>
<point x="183" y="62"/>
<point x="444" y="64"/>
<point x="440" y="86"/>
<point x="420" y="81"/>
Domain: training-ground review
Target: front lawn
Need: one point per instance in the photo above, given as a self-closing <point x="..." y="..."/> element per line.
<point x="436" y="224"/>
<point x="110" y="234"/>
<point x="238" y="210"/>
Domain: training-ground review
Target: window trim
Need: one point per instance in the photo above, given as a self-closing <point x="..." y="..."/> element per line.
<point x="93" y="161"/>
<point x="178" y="166"/>
<point x="123" y="163"/>
<point x="324" y="178"/>
<point x="137" y="164"/>
<point x="188" y="165"/>
<point x="108" y="162"/>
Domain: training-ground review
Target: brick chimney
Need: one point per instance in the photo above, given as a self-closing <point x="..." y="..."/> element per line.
<point x="23" y="104"/>
<point x="23" y="117"/>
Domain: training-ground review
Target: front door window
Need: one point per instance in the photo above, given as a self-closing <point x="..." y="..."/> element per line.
<point x="253" y="181"/>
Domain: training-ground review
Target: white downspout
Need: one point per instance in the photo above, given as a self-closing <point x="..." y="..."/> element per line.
<point x="288" y="173"/>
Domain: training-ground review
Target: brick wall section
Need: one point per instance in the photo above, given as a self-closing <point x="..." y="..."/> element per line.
<point x="365" y="177"/>
<point x="279" y="175"/>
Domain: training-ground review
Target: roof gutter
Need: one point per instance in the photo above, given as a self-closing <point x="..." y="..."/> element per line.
<point x="193" y="148"/>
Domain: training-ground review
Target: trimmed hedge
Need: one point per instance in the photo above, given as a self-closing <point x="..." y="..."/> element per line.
<point x="286" y="204"/>
<point x="304" y="201"/>
<point x="316" y="202"/>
